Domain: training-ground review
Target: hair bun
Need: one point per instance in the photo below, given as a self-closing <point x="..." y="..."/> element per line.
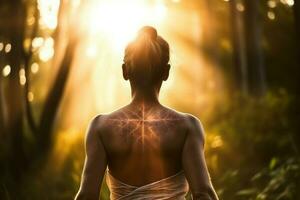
<point x="149" y="31"/>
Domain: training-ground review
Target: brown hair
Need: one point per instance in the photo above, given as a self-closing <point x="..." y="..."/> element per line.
<point x="146" y="57"/>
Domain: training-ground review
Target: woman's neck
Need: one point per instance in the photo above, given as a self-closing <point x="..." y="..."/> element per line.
<point x="145" y="97"/>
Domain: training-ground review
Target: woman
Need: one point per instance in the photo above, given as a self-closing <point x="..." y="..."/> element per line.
<point x="151" y="151"/>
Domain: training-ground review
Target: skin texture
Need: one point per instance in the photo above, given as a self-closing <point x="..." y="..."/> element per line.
<point x="142" y="143"/>
<point x="145" y="142"/>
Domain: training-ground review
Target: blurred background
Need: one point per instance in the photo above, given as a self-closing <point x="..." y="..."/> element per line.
<point x="235" y="65"/>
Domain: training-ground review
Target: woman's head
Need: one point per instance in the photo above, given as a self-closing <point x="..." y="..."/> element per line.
<point x="146" y="59"/>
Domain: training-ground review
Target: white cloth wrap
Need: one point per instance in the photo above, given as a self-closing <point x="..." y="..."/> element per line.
<point x="172" y="187"/>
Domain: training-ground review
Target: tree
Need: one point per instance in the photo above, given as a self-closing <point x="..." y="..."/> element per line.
<point x="210" y="43"/>
<point x="297" y="23"/>
<point x="253" y="35"/>
<point x="16" y="21"/>
<point x="14" y="96"/>
<point x="239" y="53"/>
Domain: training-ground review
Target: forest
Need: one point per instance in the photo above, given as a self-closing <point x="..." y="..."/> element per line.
<point x="235" y="64"/>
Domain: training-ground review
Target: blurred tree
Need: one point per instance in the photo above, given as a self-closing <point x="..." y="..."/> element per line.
<point x="14" y="93"/>
<point x="1" y="108"/>
<point x="210" y="41"/>
<point x="297" y="23"/>
<point x="55" y="95"/>
<point x="15" y="25"/>
<point x="255" y="60"/>
<point x="238" y="42"/>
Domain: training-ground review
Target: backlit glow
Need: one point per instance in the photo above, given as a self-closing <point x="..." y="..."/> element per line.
<point x="95" y="81"/>
<point x="119" y="20"/>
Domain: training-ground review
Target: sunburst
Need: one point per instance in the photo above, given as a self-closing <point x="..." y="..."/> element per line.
<point x="141" y="123"/>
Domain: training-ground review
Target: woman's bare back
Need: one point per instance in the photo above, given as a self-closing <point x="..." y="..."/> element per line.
<point x="143" y="143"/>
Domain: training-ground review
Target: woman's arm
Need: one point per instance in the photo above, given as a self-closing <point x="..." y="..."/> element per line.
<point x="194" y="164"/>
<point x="95" y="164"/>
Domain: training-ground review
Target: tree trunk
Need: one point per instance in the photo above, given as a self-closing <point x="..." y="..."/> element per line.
<point x="14" y="92"/>
<point x="210" y="41"/>
<point x="53" y="101"/>
<point x="297" y="24"/>
<point x="55" y="95"/>
<point x="27" y="61"/>
<point x="5" y="21"/>
<point x="239" y="53"/>
<point x="2" y="108"/>
<point x="253" y="33"/>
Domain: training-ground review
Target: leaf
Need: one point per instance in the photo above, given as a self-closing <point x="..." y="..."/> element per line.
<point x="247" y="192"/>
<point x="273" y="163"/>
<point x="257" y="176"/>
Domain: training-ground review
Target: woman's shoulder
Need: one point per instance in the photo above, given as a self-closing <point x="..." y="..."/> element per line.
<point x="194" y="127"/>
<point x="189" y="121"/>
<point x="101" y="119"/>
<point x="189" y="118"/>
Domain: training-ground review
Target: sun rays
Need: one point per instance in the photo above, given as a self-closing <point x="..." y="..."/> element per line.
<point x="96" y="86"/>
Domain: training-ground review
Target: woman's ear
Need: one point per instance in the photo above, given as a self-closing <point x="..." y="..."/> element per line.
<point x="125" y="72"/>
<point x="166" y="72"/>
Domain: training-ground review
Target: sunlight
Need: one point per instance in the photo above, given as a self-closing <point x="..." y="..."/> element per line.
<point x="109" y="26"/>
<point x="95" y="82"/>
<point x="48" y="13"/>
<point x="118" y="20"/>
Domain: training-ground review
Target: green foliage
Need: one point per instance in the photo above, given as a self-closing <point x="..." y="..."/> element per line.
<point x="281" y="181"/>
<point x="258" y="158"/>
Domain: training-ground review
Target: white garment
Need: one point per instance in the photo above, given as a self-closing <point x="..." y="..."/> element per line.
<point x="173" y="187"/>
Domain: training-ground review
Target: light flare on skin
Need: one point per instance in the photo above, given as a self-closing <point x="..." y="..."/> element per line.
<point x="142" y="122"/>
